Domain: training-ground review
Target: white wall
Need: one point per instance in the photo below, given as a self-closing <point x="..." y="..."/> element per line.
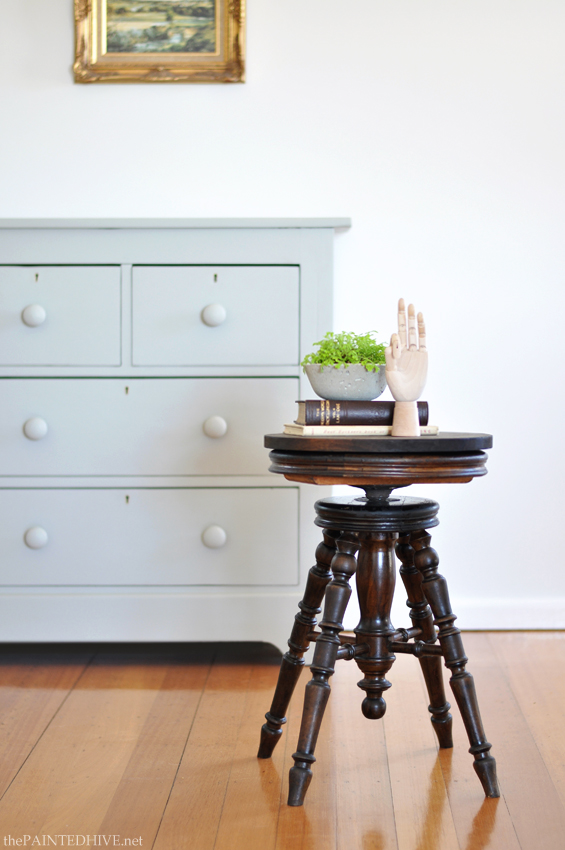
<point x="438" y="126"/>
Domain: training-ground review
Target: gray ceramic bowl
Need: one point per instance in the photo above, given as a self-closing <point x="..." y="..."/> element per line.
<point x="353" y="381"/>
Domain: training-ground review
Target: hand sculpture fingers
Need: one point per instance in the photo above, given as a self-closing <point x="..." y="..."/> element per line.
<point x="421" y="330"/>
<point x="406" y="366"/>
<point x="402" y="322"/>
<point x="396" y="346"/>
<point x="412" y="335"/>
<point x="393" y="352"/>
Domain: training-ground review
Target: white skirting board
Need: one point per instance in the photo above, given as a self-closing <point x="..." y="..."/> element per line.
<point x="478" y="614"/>
<point x="541" y="613"/>
<point x="72" y="617"/>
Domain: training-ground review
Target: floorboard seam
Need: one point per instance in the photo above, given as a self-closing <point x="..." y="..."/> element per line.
<point x="281" y="782"/>
<point x="51" y="719"/>
<point x="526" y="723"/>
<point x="212" y="662"/>
<point x="233" y="749"/>
<point x="390" y="788"/>
<point x="502" y="665"/>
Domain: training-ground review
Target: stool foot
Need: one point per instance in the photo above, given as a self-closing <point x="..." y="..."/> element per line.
<point x="485" y="768"/>
<point x="442" y="725"/>
<point x="300" y="777"/>
<point x="270" y="733"/>
<point x="293" y="662"/>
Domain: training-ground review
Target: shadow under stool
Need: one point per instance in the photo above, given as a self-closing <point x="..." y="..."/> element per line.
<point x="362" y="536"/>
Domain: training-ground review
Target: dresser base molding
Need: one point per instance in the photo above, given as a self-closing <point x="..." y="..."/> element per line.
<point x="80" y="617"/>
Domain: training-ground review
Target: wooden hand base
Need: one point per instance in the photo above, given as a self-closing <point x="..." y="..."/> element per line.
<point x="405" y="420"/>
<point x="375" y="530"/>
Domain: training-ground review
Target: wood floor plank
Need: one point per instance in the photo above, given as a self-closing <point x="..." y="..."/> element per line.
<point x="421" y="805"/>
<point x="479" y="822"/>
<point x="533" y="802"/>
<point x="253" y="796"/>
<point x="68" y="783"/>
<point x="192" y="818"/>
<point x="313" y="825"/>
<point x="534" y="664"/>
<point x="34" y="682"/>
<point x="365" y="814"/>
<point x="141" y="796"/>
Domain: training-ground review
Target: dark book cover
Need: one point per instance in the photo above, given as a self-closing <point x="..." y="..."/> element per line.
<point x="323" y="412"/>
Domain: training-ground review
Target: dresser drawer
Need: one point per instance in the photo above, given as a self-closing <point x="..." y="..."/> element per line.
<point x="140" y="426"/>
<point x="214" y="316"/>
<point x="149" y="537"/>
<point x="60" y="316"/>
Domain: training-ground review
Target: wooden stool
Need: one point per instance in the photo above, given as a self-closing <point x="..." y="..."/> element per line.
<point x="361" y="536"/>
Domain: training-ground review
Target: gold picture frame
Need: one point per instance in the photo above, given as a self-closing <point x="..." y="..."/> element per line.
<point x="159" y="41"/>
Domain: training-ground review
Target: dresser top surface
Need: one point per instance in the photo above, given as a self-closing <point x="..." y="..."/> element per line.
<point x="170" y="223"/>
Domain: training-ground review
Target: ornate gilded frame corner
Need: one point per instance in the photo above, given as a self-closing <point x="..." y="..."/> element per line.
<point x="95" y="64"/>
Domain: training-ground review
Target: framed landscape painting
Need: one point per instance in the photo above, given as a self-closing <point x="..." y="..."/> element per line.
<point x="159" y="41"/>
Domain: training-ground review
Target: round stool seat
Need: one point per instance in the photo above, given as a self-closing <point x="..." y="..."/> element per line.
<point x="397" y="513"/>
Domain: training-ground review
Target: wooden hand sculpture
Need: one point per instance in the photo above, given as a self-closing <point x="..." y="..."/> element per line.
<point x="406" y="371"/>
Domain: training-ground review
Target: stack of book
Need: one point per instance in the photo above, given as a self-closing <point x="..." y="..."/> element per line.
<point x="323" y="418"/>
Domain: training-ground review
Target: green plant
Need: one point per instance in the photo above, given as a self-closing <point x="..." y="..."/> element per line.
<point x="335" y="349"/>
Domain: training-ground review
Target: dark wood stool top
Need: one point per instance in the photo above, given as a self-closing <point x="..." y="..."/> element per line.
<point x="446" y="441"/>
<point x="449" y="457"/>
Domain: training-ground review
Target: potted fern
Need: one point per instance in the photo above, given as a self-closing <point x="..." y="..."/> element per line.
<point x="347" y="366"/>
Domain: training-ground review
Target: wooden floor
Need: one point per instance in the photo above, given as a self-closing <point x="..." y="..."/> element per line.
<point x="158" y="743"/>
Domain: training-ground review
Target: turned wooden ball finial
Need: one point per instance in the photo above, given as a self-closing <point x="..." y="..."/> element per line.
<point x="407" y="370"/>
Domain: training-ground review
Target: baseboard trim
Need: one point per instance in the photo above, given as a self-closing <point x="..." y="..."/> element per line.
<point x="93" y="617"/>
<point x="510" y="613"/>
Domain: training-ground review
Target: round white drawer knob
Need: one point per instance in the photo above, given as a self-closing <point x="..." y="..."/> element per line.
<point x="33" y="315"/>
<point x="214" y="537"/>
<point x="36" y="537"/>
<point x="213" y="315"/>
<point x="215" y="426"/>
<point x="35" y="428"/>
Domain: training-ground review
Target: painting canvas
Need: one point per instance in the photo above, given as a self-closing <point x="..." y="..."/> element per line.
<point x="168" y="26"/>
<point x="159" y="41"/>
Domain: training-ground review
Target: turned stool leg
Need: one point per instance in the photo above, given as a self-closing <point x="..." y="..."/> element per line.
<point x="376" y="576"/>
<point x="422" y="618"/>
<point x="293" y="661"/>
<point x="462" y="684"/>
<point x="317" y="693"/>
